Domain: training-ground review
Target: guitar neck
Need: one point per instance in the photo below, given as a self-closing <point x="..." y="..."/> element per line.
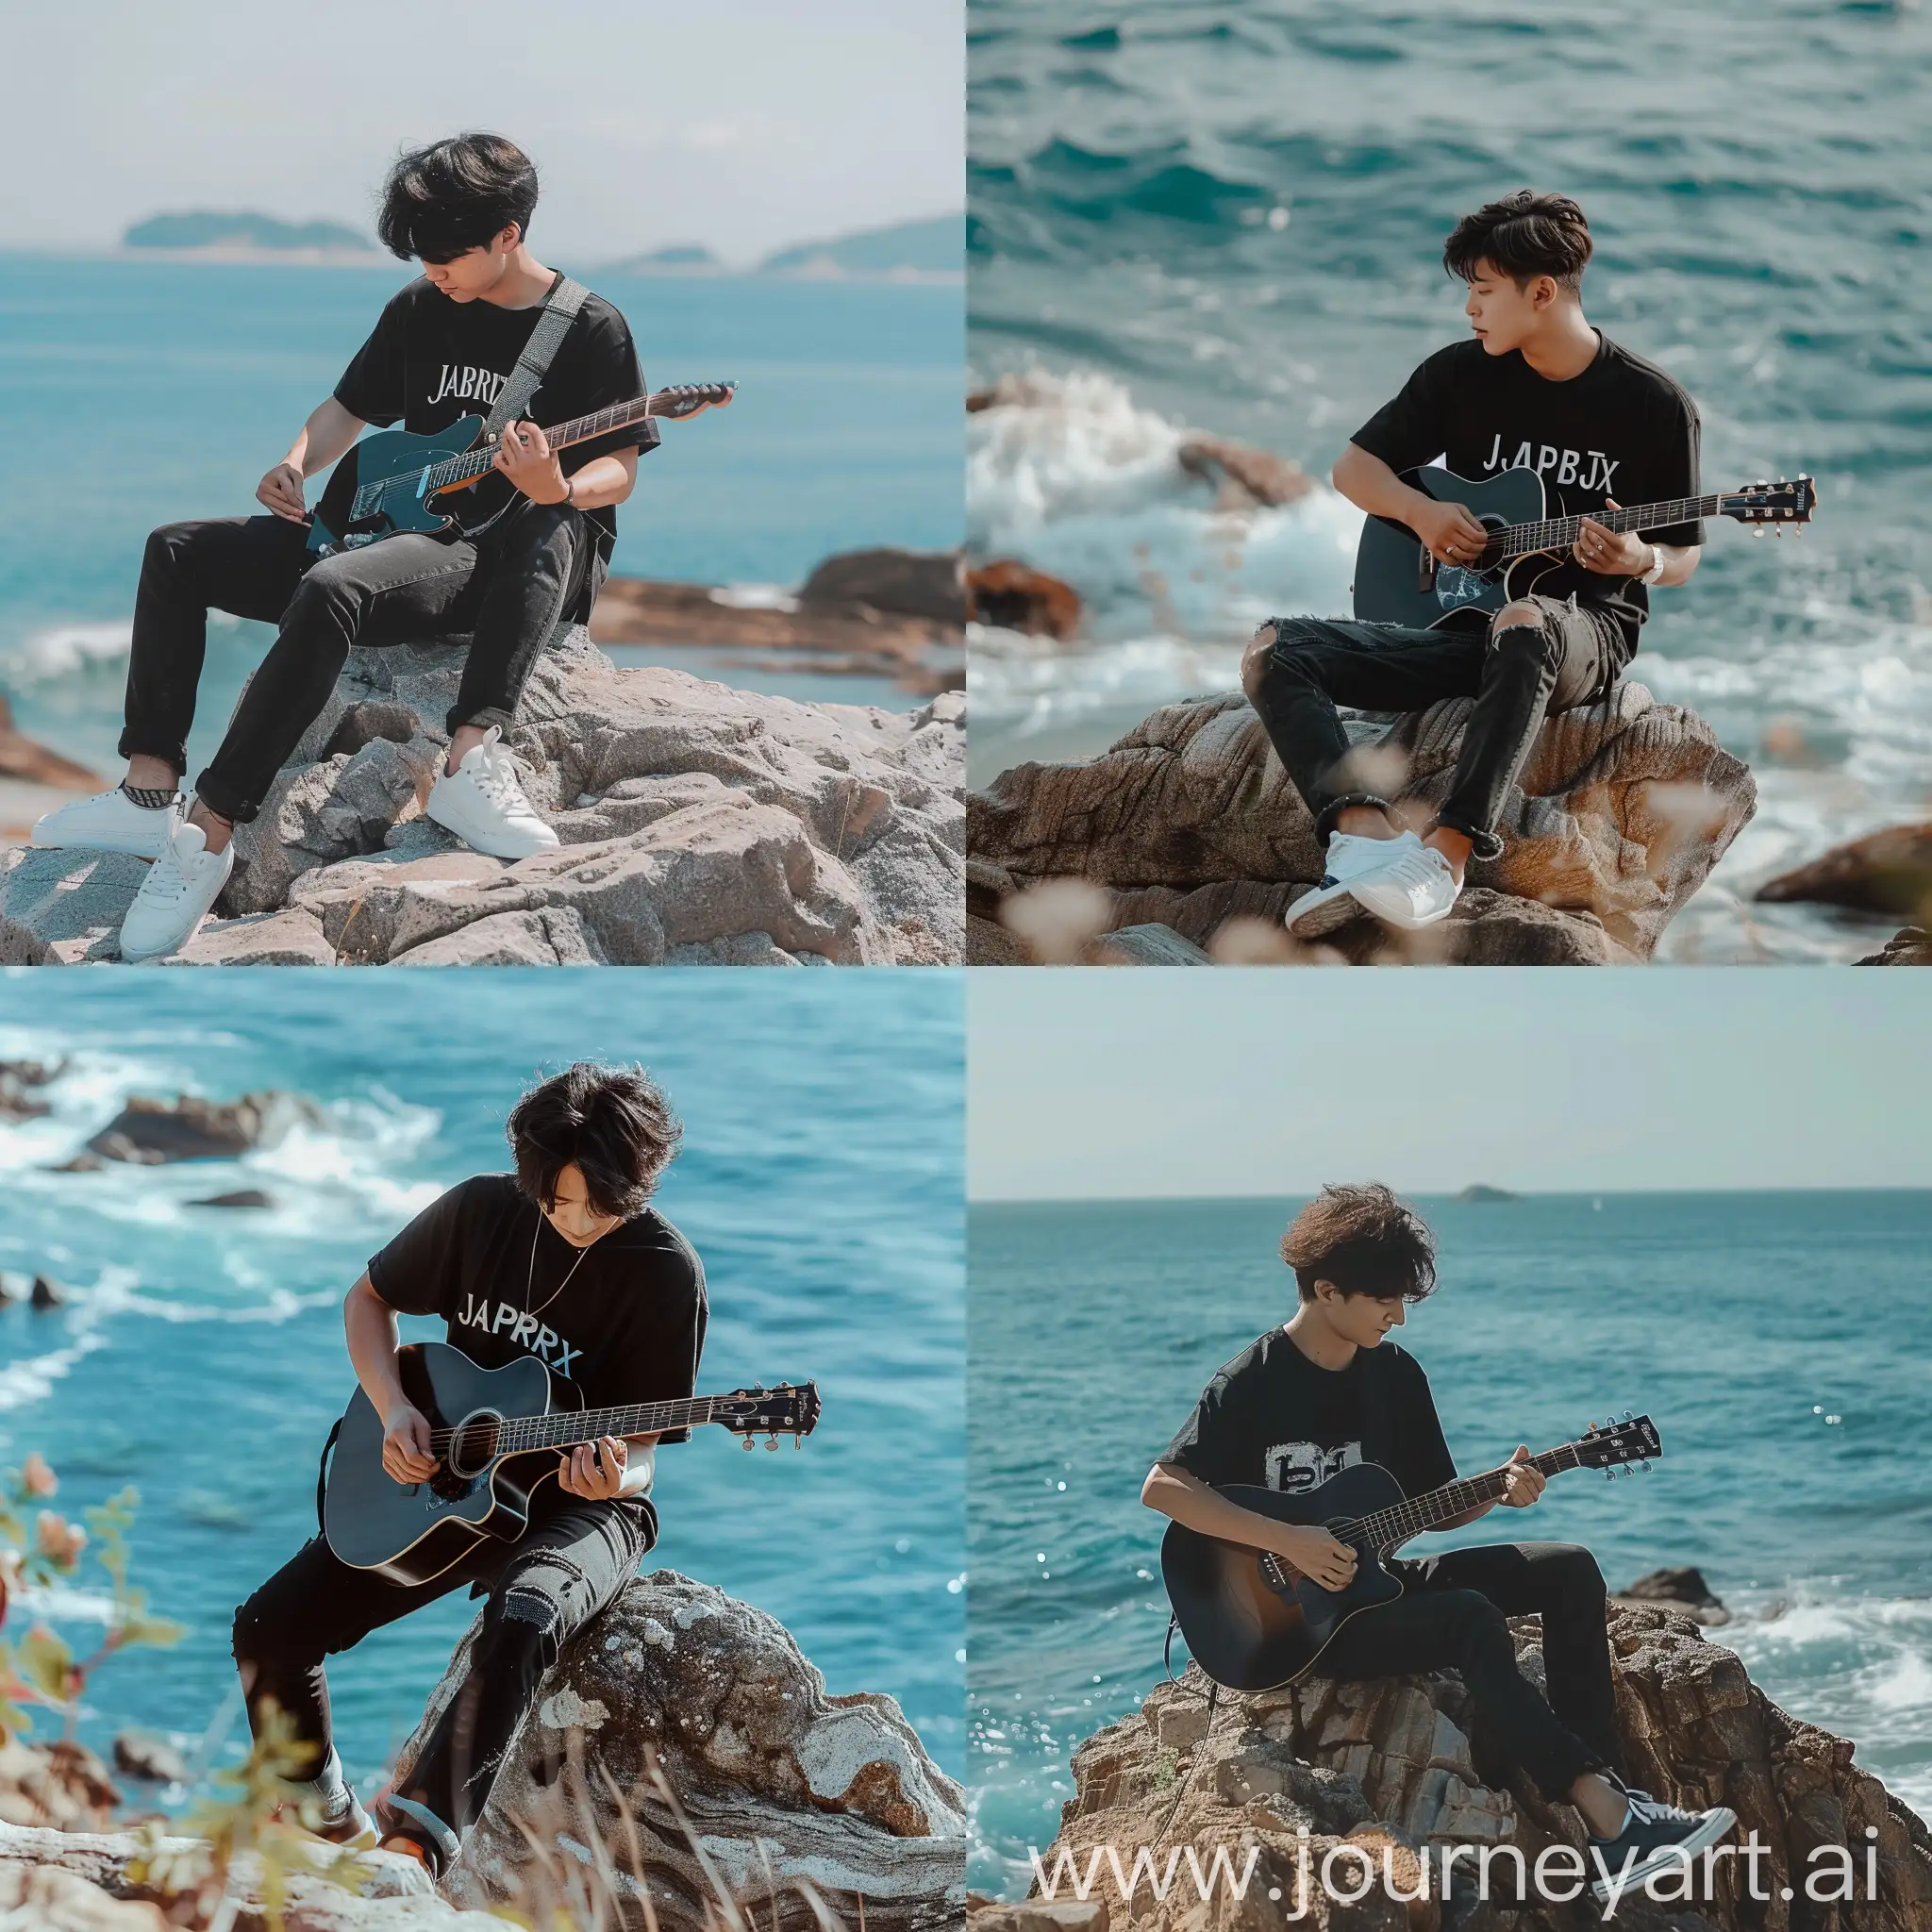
<point x="1387" y="1527"/>
<point x="565" y="1428"/>
<point x="455" y="469"/>
<point x="1558" y="533"/>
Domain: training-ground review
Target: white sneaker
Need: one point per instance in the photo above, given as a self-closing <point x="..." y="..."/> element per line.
<point x="482" y="803"/>
<point x="1331" y="905"/>
<point x="176" y="895"/>
<point x="109" y="821"/>
<point x="1414" y="888"/>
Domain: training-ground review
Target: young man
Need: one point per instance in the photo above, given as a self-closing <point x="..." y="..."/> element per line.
<point x="1538" y="389"/>
<point x="534" y="540"/>
<point x="617" y="1299"/>
<point x="1329" y="1391"/>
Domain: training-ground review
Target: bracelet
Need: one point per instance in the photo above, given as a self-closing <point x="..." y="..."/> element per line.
<point x="570" y="492"/>
<point x="1655" y="574"/>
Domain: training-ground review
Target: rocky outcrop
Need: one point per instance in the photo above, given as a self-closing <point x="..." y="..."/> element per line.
<point x="1684" y="1586"/>
<point x="1399" y="1764"/>
<point x="1247" y="477"/>
<point x="25" y="759"/>
<point x="700" y="825"/>
<point x="22" y="1084"/>
<point x="902" y="583"/>
<point x="151" y="1133"/>
<point x="1885" y="872"/>
<point x="1015" y="596"/>
<point x="1189" y="822"/>
<point x="1911" y="945"/>
<point x="680" y="1692"/>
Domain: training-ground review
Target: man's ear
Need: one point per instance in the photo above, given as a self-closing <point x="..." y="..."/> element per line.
<point x="509" y="236"/>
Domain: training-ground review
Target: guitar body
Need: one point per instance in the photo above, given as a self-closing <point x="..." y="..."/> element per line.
<point x="1397" y="581"/>
<point x="410" y="1532"/>
<point x="385" y="470"/>
<point x="1250" y="1630"/>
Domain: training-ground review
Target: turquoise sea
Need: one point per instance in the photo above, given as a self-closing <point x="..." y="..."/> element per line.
<point x="1188" y="213"/>
<point x="140" y="391"/>
<point x="1781" y="1341"/>
<point x="200" y="1355"/>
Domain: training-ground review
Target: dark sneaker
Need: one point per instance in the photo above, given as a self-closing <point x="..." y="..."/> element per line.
<point x="1655" y="1838"/>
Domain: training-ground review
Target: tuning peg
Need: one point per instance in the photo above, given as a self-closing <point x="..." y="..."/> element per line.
<point x="745" y="1441"/>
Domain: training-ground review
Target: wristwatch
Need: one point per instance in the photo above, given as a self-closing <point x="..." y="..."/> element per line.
<point x="570" y="497"/>
<point x="1655" y="574"/>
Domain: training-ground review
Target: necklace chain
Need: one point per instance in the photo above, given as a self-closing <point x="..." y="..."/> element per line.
<point x="530" y="1279"/>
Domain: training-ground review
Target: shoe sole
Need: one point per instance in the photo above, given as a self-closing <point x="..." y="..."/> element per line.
<point x="1326" y="909"/>
<point x="469" y="840"/>
<point x="40" y="844"/>
<point x="1720" y="1820"/>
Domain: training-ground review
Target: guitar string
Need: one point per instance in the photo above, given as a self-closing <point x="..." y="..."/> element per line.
<point x="578" y="429"/>
<point x="1525" y="540"/>
<point x="1382" y="1528"/>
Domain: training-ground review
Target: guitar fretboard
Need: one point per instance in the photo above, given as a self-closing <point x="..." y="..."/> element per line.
<point x="1385" y="1528"/>
<point x="567" y="1427"/>
<point x="1558" y="533"/>
<point x="454" y="470"/>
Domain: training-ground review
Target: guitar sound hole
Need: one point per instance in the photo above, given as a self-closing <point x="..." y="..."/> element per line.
<point x="472" y="1447"/>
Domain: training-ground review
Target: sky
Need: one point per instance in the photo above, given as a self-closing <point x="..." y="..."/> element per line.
<point x="1098" y="1084"/>
<point x="746" y="124"/>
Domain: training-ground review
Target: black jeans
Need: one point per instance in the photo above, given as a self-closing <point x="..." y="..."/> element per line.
<point x="1452" y="1617"/>
<point x="508" y="588"/>
<point x="1518" y="675"/>
<point x="570" y="1565"/>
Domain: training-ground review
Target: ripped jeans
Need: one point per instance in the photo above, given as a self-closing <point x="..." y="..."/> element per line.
<point x="1518" y="677"/>
<point x="570" y="1565"/>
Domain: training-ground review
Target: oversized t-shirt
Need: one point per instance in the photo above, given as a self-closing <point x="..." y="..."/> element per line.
<point x="1622" y="429"/>
<point x="628" y="1327"/>
<point x="430" y="361"/>
<point x="1272" y="1418"/>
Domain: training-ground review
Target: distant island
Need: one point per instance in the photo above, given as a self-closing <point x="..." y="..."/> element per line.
<point x="935" y="247"/>
<point x="1482" y="1193"/>
<point x="680" y="259"/>
<point x="242" y="230"/>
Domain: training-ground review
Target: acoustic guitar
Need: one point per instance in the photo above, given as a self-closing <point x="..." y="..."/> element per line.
<point x="394" y="481"/>
<point x="1253" y="1622"/>
<point x="1397" y="581"/>
<point x="497" y="1435"/>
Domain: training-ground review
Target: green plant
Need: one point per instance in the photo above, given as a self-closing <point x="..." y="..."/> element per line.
<point x="39" y="1547"/>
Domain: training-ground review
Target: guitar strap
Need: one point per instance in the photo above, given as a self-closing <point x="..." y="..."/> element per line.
<point x="322" y="1472"/>
<point x="553" y="323"/>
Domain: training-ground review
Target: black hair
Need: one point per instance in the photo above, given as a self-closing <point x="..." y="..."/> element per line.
<point x="443" y="200"/>
<point x="1363" y="1239"/>
<point x="1524" y="235"/>
<point x="612" y="1124"/>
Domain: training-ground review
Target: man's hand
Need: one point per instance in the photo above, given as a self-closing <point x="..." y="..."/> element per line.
<point x="281" y="491"/>
<point x="405" y="1453"/>
<point x="1450" y="532"/>
<point x="1317" y="1554"/>
<point x="525" y="455"/>
<point x="1522" y="1482"/>
<point x="1601" y="549"/>
<point x="594" y="1470"/>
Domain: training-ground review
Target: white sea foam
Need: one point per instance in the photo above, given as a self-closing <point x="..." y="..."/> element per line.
<point x="48" y="656"/>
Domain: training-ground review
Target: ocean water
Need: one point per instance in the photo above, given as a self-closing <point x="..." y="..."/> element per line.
<point x="201" y="1356"/>
<point x="1185" y="213"/>
<point x="1781" y="1341"/>
<point x="143" y="391"/>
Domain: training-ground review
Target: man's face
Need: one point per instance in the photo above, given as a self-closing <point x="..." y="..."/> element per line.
<point x="476" y="270"/>
<point x="1363" y="1318"/>
<point x="572" y="1214"/>
<point x="1503" y="315"/>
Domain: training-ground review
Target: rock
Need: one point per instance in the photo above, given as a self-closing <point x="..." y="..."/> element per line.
<point x="1144" y="945"/>
<point x="1911" y="945"/>
<point x="1683" y="1585"/>
<point x="241" y="1197"/>
<point x="90" y="1875"/>
<point x="151" y="1133"/>
<point x="1015" y="596"/>
<point x="1190" y="822"/>
<point x="1038" y="1915"/>
<point x="47" y="1293"/>
<point x="1885" y="872"/>
<point x="1478" y="1193"/>
<point x="902" y="583"/>
<point x="152" y="1759"/>
<point x="692" y="815"/>
<point x="1246" y="476"/>
<point x="780" y="1782"/>
<point x="22" y="757"/>
<point x="61" y="1785"/>
<point x="1398" y="1763"/>
<point x="20" y="1084"/>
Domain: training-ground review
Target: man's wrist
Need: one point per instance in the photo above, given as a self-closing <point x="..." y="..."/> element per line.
<point x="1652" y="572"/>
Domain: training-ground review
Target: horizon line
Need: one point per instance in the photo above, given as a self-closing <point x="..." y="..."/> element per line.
<point x="974" y="1200"/>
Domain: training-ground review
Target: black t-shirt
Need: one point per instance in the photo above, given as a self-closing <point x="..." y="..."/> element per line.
<point x="629" y="1327"/>
<point x="1272" y="1418"/>
<point x="430" y="361"/>
<point x="1621" y="429"/>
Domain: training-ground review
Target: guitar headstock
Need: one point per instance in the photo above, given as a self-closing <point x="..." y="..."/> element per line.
<point x="1771" y="505"/>
<point x="785" y="1411"/>
<point x="684" y="399"/>
<point x="1612" y="1445"/>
